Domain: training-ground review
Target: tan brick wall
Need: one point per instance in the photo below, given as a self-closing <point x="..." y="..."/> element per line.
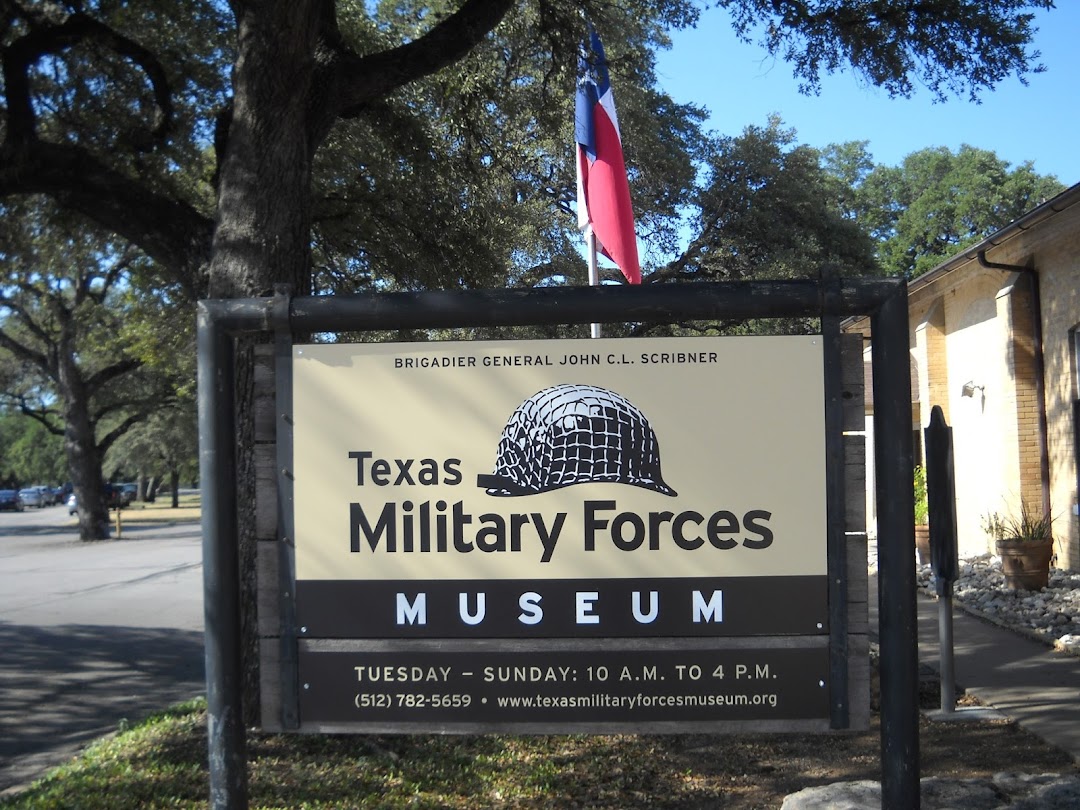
<point x="1015" y="304"/>
<point x="1060" y="297"/>
<point x="935" y="361"/>
<point x="1053" y="248"/>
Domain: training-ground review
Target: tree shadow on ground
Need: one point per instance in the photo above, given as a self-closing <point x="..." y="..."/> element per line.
<point x="59" y="527"/>
<point x="61" y="687"/>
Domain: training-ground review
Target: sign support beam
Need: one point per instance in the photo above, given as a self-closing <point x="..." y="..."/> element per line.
<point x="221" y="564"/>
<point x="834" y="478"/>
<point x="897" y="613"/>
<point x="283" y="408"/>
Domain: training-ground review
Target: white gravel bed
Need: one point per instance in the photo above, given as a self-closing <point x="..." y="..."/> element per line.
<point x="1051" y="615"/>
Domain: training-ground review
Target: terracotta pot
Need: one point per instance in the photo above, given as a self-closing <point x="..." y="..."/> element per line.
<point x="1025" y="563"/>
<point x="922" y="542"/>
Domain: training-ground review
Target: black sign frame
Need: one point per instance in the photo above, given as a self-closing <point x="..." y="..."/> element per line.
<point x="884" y="300"/>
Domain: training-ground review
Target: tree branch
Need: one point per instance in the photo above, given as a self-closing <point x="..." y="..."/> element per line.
<point x="21" y="350"/>
<point x="365" y="79"/>
<point x="24" y="352"/>
<point x="109" y="373"/>
<point x="43" y="40"/>
<point x="109" y="438"/>
<point x="111" y="276"/>
<point x="141" y="410"/>
<point x="40" y="415"/>
<point x="171" y="232"/>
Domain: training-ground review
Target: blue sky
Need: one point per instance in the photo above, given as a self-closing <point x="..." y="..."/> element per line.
<point x="740" y="86"/>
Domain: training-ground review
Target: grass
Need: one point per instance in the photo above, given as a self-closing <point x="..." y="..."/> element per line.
<point x="161" y="511"/>
<point x="161" y="763"/>
<point x="154" y="764"/>
<point x="1028" y="527"/>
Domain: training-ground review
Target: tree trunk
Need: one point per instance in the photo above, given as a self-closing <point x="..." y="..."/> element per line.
<point x="81" y="449"/>
<point x="84" y="463"/>
<point x="174" y="481"/>
<point x="263" y="234"/>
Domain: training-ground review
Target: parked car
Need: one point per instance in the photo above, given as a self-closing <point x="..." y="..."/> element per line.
<point x="31" y="496"/>
<point x="113" y="499"/>
<point x="10" y="501"/>
<point x="127" y="493"/>
<point x="47" y="497"/>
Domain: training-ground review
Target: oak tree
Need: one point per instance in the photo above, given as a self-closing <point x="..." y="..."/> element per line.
<point x="67" y="360"/>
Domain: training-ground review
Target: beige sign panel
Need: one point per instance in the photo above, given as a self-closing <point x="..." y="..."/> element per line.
<point x="570" y="459"/>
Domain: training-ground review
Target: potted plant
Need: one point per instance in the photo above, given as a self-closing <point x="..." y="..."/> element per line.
<point x="922" y="516"/>
<point x="1025" y="545"/>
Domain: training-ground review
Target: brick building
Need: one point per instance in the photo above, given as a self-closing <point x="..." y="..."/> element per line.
<point x="995" y="341"/>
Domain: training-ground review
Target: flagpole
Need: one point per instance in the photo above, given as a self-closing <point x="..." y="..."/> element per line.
<point x="594" y="272"/>
<point x="601" y="170"/>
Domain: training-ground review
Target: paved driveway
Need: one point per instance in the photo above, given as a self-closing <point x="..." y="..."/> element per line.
<point x="91" y="633"/>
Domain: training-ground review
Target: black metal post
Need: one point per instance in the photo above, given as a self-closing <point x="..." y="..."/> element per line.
<point x="945" y="643"/>
<point x="651" y="303"/>
<point x="217" y="474"/>
<point x="1076" y="457"/>
<point x="897" y="621"/>
<point x="283" y="408"/>
<point x="944" y="556"/>
<point x="839" y="709"/>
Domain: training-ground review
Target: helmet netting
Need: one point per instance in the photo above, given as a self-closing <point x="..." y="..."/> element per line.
<point x="571" y="434"/>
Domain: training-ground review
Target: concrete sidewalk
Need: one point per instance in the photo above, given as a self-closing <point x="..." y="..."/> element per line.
<point x="1024" y="679"/>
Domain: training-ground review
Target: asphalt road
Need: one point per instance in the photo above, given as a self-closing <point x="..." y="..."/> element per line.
<point x="91" y="634"/>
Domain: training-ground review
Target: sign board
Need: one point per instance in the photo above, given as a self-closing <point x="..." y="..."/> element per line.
<point x="545" y="531"/>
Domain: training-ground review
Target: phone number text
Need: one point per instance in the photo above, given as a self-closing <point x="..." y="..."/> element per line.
<point x="385" y="700"/>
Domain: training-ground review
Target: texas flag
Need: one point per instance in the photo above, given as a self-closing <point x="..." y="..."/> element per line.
<point x="603" y="193"/>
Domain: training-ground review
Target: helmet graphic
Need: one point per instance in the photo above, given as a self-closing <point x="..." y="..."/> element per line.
<point x="575" y="434"/>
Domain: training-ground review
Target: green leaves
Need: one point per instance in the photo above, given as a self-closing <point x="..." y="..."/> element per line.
<point x="938" y="202"/>
<point x="952" y="47"/>
<point x="29" y="452"/>
<point x="769" y="209"/>
<point x="463" y="178"/>
<point x="466" y="178"/>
